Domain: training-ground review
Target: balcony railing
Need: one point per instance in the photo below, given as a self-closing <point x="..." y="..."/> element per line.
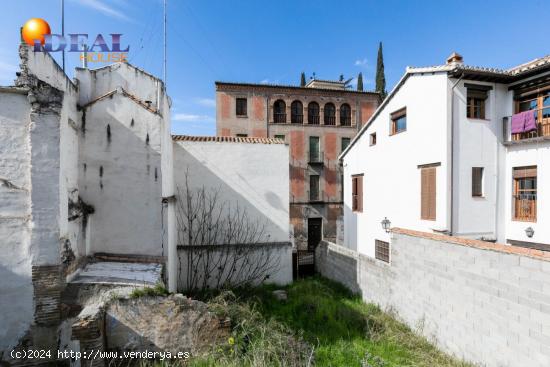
<point x="330" y="120"/>
<point x="297" y="119"/>
<point x="316" y="157"/>
<point x="313" y="119"/>
<point x="316" y="196"/>
<point x="279" y="118"/>
<point x="345" y="121"/>
<point x="542" y="116"/>
<point x="525" y="207"/>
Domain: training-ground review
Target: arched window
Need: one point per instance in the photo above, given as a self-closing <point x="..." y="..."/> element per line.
<point x="279" y="111"/>
<point x="330" y="114"/>
<point x="296" y="112"/>
<point x="313" y="113"/>
<point x="345" y="115"/>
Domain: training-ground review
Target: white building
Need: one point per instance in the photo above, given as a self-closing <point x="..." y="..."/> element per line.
<point x="439" y="155"/>
<point x="87" y="175"/>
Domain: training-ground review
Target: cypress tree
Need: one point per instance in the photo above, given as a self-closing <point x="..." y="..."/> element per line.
<point x="303" y="80"/>
<point x="360" y="82"/>
<point x="380" y="77"/>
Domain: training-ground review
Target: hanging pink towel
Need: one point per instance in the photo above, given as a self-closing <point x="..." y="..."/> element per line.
<point x="520" y="121"/>
<point x="530" y="121"/>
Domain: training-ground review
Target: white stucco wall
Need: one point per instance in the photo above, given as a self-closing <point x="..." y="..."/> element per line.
<point x="16" y="289"/>
<point x="537" y="154"/>
<point x="391" y="182"/>
<point x="254" y="176"/>
<point x="126" y="195"/>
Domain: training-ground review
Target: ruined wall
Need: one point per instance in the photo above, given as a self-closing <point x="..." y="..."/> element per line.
<point x="484" y="302"/>
<point x="16" y="288"/>
<point x="120" y="176"/>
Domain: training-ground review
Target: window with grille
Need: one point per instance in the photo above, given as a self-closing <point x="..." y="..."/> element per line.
<point x="525" y="194"/>
<point x="345" y="115"/>
<point x="382" y="250"/>
<point x="477" y="181"/>
<point x="428" y="193"/>
<point x="314" y="192"/>
<point x="357" y="193"/>
<point x="240" y="107"/>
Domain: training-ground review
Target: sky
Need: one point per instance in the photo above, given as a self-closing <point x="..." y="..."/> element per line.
<point x="272" y="42"/>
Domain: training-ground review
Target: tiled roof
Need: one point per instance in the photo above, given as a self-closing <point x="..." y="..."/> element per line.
<point x="536" y="63"/>
<point x="227" y="139"/>
<point x="305" y="89"/>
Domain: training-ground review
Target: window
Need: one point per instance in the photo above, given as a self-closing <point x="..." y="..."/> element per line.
<point x="399" y="121"/>
<point x="372" y="139"/>
<point x="428" y="193"/>
<point x="330" y="114"/>
<point x="475" y="106"/>
<point x="345" y="115"/>
<point x="296" y="112"/>
<point x="382" y="250"/>
<point x="525" y="194"/>
<point x="314" y="151"/>
<point x="242" y="135"/>
<point x="313" y="113"/>
<point x="345" y="143"/>
<point x="314" y="188"/>
<point x="282" y="137"/>
<point x="357" y="193"/>
<point x="477" y="181"/>
<point x="240" y="107"/>
<point x="279" y="111"/>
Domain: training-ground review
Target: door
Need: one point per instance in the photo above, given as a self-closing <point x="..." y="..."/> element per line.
<point x="314" y="232"/>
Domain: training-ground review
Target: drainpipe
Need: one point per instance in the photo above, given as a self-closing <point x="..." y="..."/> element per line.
<point x="451" y="228"/>
<point x="267" y="115"/>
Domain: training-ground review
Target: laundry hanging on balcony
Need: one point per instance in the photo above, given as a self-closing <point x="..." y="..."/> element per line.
<point x="524" y="122"/>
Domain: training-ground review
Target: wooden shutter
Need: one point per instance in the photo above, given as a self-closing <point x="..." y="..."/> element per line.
<point x="428" y="193"/>
<point x="357" y="193"/>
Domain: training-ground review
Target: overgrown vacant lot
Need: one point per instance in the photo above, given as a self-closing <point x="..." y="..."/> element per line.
<point x="321" y="324"/>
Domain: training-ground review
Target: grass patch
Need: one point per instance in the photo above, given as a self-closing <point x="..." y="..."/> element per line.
<point x="157" y="290"/>
<point x="336" y="324"/>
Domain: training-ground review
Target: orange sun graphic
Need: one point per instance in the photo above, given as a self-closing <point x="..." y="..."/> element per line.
<point x="35" y="29"/>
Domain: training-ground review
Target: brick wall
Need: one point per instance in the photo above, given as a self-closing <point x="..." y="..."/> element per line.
<point x="486" y="303"/>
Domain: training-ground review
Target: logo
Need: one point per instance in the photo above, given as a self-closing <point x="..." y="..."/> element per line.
<point x="37" y="33"/>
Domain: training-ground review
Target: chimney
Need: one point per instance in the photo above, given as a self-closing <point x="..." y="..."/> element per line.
<point x="455" y="58"/>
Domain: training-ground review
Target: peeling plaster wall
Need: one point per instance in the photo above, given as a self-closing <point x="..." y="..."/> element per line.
<point x="16" y="289"/>
<point x="120" y="176"/>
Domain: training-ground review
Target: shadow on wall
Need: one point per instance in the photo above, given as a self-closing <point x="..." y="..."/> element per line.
<point x="350" y="228"/>
<point x="16" y="303"/>
<point x="342" y="266"/>
<point x="120" y="177"/>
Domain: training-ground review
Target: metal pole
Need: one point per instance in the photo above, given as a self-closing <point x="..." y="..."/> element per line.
<point x="63" y="29"/>
<point x="164" y="62"/>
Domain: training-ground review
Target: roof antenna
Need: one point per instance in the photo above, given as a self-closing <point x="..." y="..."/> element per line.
<point x="164" y="61"/>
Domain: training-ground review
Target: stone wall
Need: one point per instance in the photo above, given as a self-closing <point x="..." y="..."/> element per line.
<point x="486" y="303"/>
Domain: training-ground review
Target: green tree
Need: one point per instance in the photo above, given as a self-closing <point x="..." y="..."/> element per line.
<point x="380" y="77"/>
<point x="360" y="82"/>
<point x="303" y="80"/>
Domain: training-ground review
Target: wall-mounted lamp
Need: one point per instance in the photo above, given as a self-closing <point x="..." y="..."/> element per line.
<point x="386" y="225"/>
<point x="529" y="232"/>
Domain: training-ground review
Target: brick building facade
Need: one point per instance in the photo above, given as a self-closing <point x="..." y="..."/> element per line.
<point x="317" y="121"/>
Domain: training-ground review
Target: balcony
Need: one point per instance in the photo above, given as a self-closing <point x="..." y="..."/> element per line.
<point x="330" y="120"/>
<point x="542" y="131"/>
<point x="316" y="157"/>
<point x="313" y="119"/>
<point x="297" y="119"/>
<point x="316" y="196"/>
<point x="345" y="121"/>
<point x="279" y="118"/>
<point x="525" y="207"/>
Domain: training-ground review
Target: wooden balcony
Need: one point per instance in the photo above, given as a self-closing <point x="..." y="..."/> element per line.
<point x="525" y="208"/>
<point x="541" y="133"/>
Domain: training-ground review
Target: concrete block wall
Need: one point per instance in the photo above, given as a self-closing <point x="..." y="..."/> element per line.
<point x="486" y="303"/>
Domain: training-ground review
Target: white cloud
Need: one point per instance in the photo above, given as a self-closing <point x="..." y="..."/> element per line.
<point x="362" y="62"/>
<point x="265" y="81"/>
<point x="206" y="102"/>
<point x="103" y="8"/>
<point x="189" y="117"/>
